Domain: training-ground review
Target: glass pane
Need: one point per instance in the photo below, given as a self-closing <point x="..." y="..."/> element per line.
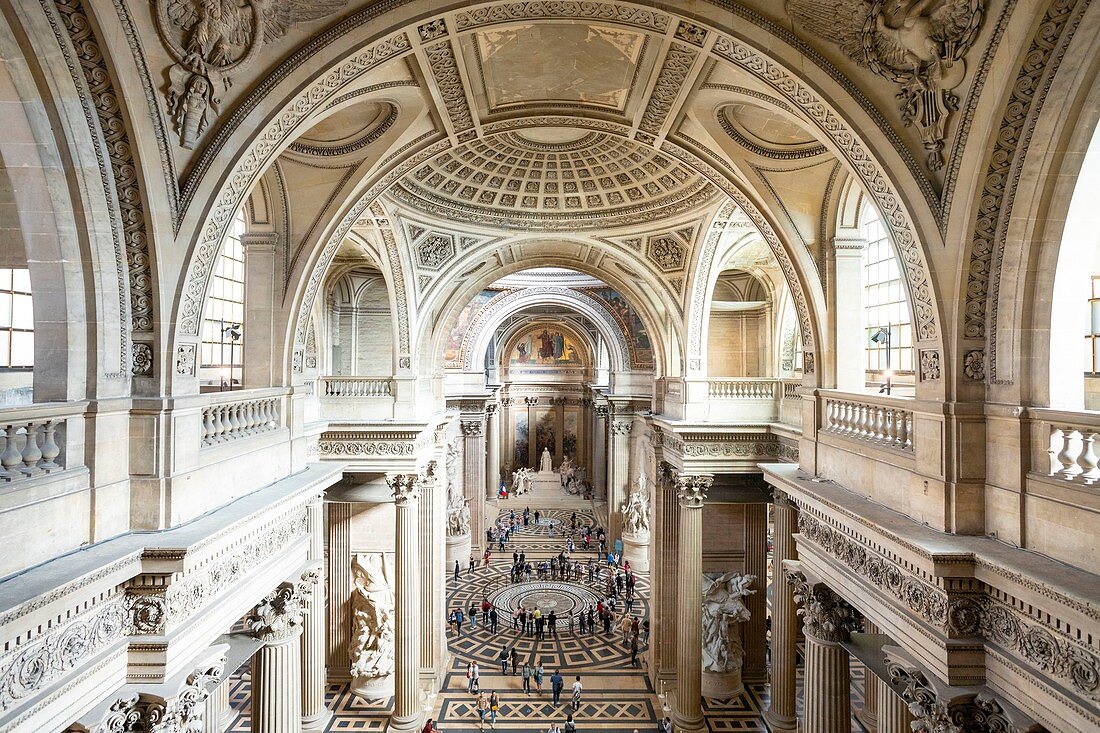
<point x="22" y="313"/>
<point x="22" y="349"/>
<point x="21" y="280"/>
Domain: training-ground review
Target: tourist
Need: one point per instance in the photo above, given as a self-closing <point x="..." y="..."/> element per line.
<point x="494" y="708"/>
<point x="469" y="677"/>
<point x="486" y="557"/>
<point x="450" y="622"/>
<point x="514" y="659"/>
<point x="552" y="623"/>
<point x="624" y="627"/>
<point x="665" y="725"/>
<point x="539" y="672"/>
<point x="429" y="727"/>
<point x="634" y="651"/>
<point x="570" y="726"/>
<point x="470" y="570"/>
<point x="494" y="617"/>
<point x="457" y="570"/>
<point x="503" y="657"/>
<point x="577" y="687"/>
<point x="553" y="728"/>
<point x="482" y="708"/>
<point x="536" y="516"/>
<point x="526" y="675"/>
<point x="475" y="678"/>
<point x="458" y="622"/>
<point x="645" y="631"/>
<point x="557" y="683"/>
<point x="473" y="615"/>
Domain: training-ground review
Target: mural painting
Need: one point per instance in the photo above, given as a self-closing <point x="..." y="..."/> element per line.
<point x="544" y="432"/>
<point x="640" y="346"/>
<point x="521" y="456"/>
<point x="569" y="433"/>
<point x="545" y="347"/>
<point x="452" y="351"/>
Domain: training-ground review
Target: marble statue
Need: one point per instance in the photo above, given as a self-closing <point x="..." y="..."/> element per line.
<point x="458" y="507"/>
<point x="372" y="603"/>
<point x="546" y="463"/>
<point x="458" y="519"/>
<point x="565" y="470"/>
<point x="723" y="609"/>
<point x="521" y="481"/>
<point x="635" y="510"/>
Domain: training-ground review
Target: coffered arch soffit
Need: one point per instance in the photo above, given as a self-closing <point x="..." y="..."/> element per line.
<point x="509" y="303"/>
<point x="698" y="45"/>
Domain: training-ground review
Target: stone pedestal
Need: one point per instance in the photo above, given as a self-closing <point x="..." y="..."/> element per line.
<point x="458" y="548"/>
<point x="687" y="714"/>
<point x="373" y="688"/>
<point x="636" y="551"/>
<point x="722" y="686"/>
<point x="406" y="702"/>
<point x="780" y="715"/>
<point x="276" y="685"/>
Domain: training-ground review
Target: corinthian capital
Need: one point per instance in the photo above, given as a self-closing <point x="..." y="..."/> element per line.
<point x="279" y="615"/>
<point x="405" y="487"/>
<point x="691" y="490"/>
<point x="825" y="615"/>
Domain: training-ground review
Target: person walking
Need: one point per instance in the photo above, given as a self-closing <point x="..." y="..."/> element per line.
<point x="557" y="683"/>
<point x="494" y="708"/>
<point x="458" y="622"/>
<point x="503" y="659"/>
<point x="470" y="570"/>
<point x="539" y="672"/>
<point x="645" y="631"/>
<point x="473" y="615"/>
<point x="634" y="651"/>
<point x="475" y="685"/>
<point x="577" y="689"/>
<point x="525" y="673"/>
<point x="482" y="708"/>
<point x="570" y="726"/>
<point x="514" y="659"/>
<point x="457" y="571"/>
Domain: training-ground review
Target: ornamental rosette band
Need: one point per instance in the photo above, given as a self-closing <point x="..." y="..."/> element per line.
<point x="691" y="491"/>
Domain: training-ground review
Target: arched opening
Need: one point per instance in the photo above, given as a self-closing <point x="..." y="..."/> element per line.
<point x="887" y="341"/>
<point x="221" y="364"/>
<point x="740" y="334"/>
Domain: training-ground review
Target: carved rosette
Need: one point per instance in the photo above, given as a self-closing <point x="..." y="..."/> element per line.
<point x="278" y="617"/>
<point x="825" y="616"/>
<point x="405" y="488"/>
<point x="691" y="491"/>
<point x="155" y="714"/>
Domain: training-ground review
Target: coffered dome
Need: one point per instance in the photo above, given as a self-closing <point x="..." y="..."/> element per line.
<point x="554" y="178"/>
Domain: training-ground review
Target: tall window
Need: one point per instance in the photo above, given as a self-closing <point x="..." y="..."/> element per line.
<point x="222" y="327"/>
<point x="1092" y="339"/>
<point x="885" y="304"/>
<point x="16" y="319"/>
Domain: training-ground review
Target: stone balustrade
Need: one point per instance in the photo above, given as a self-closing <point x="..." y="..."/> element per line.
<point x="1072" y="450"/>
<point x="32" y="439"/>
<point x="742" y="389"/>
<point x="232" y="416"/>
<point x="790" y="388"/>
<point x="355" y="387"/>
<point x="874" y="420"/>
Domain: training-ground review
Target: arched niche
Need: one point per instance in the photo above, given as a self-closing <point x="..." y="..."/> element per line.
<point x="741" y="331"/>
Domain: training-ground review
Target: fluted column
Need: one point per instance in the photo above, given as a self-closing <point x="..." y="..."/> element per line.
<point x="755" y="668"/>
<point x="217" y="713"/>
<point x="406" y="704"/>
<point x="892" y="714"/>
<point x="277" y="665"/>
<point x="667" y="581"/>
<point x="315" y="715"/>
<point x="688" y="713"/>
<point x="599" y="453"/>
<point x="473" y="475"/>
<point x="492" y="455"/>
<point x="339" y="589"/>
<point x="618" y="472"/>
<point x="780" y="714"/>
<point x="868" y="714"/>
<point x="827" y="620"/>
<point x="431" y="570"/>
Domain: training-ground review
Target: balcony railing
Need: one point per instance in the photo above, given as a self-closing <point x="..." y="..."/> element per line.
<point x="1072" y="450"/>
<point x="356" y="387"/>
<point x="790" y="388"/>
<point x="881" y="423"/>
<point x="32" y="439"/>
<point x="232" y="418"/>
<point x="741" y="389"/>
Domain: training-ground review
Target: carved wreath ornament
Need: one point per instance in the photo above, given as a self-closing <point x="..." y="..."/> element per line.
<point x="210" y="39"/>
<point x="919" y="44"/>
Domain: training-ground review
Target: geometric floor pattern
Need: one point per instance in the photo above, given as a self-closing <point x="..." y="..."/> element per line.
<point x="617" y="697"/>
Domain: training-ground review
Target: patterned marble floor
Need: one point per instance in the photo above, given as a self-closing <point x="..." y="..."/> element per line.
<point x="617" y="697"/>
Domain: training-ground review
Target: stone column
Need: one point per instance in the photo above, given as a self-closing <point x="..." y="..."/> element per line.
<point x="315" y="715"/>
<point x="868" y="714"/>
<point x="755" y="667"/>
<point x="599" y="454"/>
<point x="473" y="460"/>
<point x="827" y="621"/>
<point x="277" y="665"/>
<point x="618" y="473"/>
<point x="892" y="714"/>
<point x="339" y="589"/>
<point x="259" y="317"/>
<point x="406" y="703"/>
<point x="667" y="581"/>
<point x="431" y="570"/>
<point x="217" y="713"/>
<point x="780" y="715"/>
<point x="492" y="456"/>
<point x="691" y="491"/>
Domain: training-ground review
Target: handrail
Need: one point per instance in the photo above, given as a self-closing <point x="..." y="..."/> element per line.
<point x="234" y="415"/>
<point x="1071" y="452"/>
<point x="880" y="422"/>
<point x="32" y="438"/>
<point x="336" y="386"/>
<point x="742" y="388"/>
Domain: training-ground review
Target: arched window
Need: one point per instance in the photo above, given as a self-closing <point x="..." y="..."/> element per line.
<point x="223" y="322"/>
<point x="886" y="321"/>
<point x="16" y="319"/>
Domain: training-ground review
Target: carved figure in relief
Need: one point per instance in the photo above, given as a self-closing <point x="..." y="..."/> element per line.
<point x="635" y="510"/>
<point x="458" y="507"/>
<point x="723" y="609"/>
<point x="372" y="603"/>
<point x="919" y="44"/>
<point x="210" y="39"/>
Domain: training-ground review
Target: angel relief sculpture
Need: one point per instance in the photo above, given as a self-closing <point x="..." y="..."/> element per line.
<point x="919" y="44"/>
<point x="210" y="39"/>
<point x="372" y="602"/>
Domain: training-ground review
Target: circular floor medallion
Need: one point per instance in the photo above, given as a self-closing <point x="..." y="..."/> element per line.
<point x="563" y="599"/>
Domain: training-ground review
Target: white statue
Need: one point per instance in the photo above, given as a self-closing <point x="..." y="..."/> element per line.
<point x="521" y="481"/>
<point x="635" y="510"/>
<point x="546" y="463"/>
<point x="458" y="507"/>
<point x="723" y="609"/>
<point x="458" y="519"/>
<point x="372" y="644"/>
<point x="565" y="470"/>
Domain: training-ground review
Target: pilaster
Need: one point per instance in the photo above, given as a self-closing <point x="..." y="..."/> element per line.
<point x="780" y="714"/>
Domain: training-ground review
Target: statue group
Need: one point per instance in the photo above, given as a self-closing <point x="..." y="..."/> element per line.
<point x="723" y="611"/>
<point x="521" y="481"/>
<point x="635" y="510"/>
<point x="572" y="477"/>
<point x="372" y="644"/>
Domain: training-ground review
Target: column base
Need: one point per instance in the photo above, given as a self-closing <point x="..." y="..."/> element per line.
<point x="681" y="723"/>
<point x="316" y="723"/>
<point x="636" y="551"/>
<point x="870" y="722"/>
<point x="722" y="686"/>
<point x="403" y="726"/>
<point x="458" y="548"/>
<point x="780" y="723"/>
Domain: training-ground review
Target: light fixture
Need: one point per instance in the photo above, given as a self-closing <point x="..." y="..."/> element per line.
<point x="882" y="336"/>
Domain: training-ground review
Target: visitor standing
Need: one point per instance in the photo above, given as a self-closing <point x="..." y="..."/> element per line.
<point x="577" y="688"/>
<point x="456" y="570"/>
<point x="539" y="672"/>
<point x="503" y="659"/>
<point x="514" y="659"/>
<point x="469" y="677"/>
<point x="482" y="708"/>
<point x="634" y="651"/>
<point x="458" y="622"/>
<point x="557" y="683"/>
<point x="494" y="618"/>
<point x="476" y="678"/>
<point x="470" y="570"/>
<point x="526" y="675"/>
<point x="494" y="708"/>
